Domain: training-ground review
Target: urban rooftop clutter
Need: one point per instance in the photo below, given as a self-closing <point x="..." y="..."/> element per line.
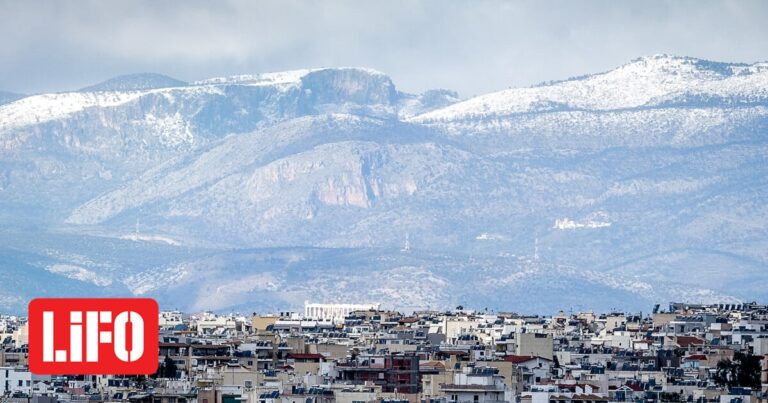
<point x="363" y="353"/>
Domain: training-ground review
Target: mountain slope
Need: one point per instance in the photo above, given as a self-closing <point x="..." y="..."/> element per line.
<point x="650" y="102"/>
<point x="642" y="184"/>
<point x="647" y="82"/>
<point x="51" y="142"/>
<point x="135" y="82"/>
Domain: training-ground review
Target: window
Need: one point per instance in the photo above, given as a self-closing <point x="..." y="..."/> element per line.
<point x="477" y="398"/>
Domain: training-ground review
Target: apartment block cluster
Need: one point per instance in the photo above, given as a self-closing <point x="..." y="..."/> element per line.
<point x="362" y="353"/>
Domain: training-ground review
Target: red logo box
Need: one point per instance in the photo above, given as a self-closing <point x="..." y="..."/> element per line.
<point x="85" y="336"/>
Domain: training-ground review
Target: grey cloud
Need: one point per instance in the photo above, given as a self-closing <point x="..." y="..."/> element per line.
<point x="470" y="46"/>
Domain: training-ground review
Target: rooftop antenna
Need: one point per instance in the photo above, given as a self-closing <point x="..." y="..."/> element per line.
<point x="536" y="249"/>
<point x="407" y="245"/>
<point x="137" y="226"/>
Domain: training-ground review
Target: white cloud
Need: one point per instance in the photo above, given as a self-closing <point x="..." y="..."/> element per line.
<point x="472" y="46"/>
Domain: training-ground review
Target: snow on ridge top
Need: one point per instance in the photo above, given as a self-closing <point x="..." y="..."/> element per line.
<point x="283" y="77"/>
<point x="671" y="64"/>
<point x="275" y="78"/>
<point x="646" y="81"/>
<point x="684" y="65"/>
<point x="45" y="107"/>
<point x="48" y="107"/>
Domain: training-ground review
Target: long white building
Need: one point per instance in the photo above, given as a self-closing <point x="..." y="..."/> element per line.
<point x="334" y="312"/>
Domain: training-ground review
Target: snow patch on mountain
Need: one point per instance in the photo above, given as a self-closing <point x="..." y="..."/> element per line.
<point x="485" y="236"/>
<point x="411" y="105"/>
<point x="649" y="81"/>
<point x="602" y="129"/>
<point x="79" y="273"/>
<point x="46" y="107"/>
<point x="284" y="77"/>
<point x="150" y="238"/>
<point x="151" y="280"/>
<point x="277" y="78"/>
<point x="566" y="224"/>
<point x="644" y="186"/>
<point x="172" y="130"/>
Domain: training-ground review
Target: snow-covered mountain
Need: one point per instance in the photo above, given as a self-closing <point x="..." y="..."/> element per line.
<point x="651" y="102"/>
<point x="647" y="82"/>
<point x="50" y="142"/>
<point x="607" y="190"/>
<point x="135" y="82"/>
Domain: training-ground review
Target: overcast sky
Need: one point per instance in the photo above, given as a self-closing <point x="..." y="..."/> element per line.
<point x="470" y="46"/>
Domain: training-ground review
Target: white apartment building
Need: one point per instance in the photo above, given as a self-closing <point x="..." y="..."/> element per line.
<point x="14" y="380"/>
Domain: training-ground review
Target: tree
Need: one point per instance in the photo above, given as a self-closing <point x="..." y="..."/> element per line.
<point x="743" y="370"/>
<point x="141" y="382"/>
<point x="670" y="397"/>
<point x="168" y="368"/>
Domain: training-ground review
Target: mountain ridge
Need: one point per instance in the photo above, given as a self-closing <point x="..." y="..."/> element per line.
<point x="135" y="82"/>
<point x="645" y="82"/>
<point x="625" y="182"/>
